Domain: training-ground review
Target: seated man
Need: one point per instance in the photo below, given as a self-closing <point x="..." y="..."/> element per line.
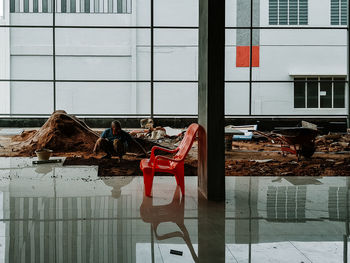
<point x="114" y="141"/>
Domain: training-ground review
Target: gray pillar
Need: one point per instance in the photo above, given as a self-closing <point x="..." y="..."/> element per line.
<point x="211" y="231"/>
<point x="348" y="67"/>
<point x="211" y="98"/>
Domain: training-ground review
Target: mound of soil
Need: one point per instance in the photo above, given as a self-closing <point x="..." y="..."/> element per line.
<point x="60" y="133"/>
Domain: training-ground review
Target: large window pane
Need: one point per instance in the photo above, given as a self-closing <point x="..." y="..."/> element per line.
<point x="176" y="54"/>
<point x="312" y="93"/>
<point x="176" y="98"/>
<point x="326" y="93"/>
<point x="299" y="52"/>
<point x="339" y="93"/>
<point x="299" y="93"/>
<point x="104" y="98"/>
<point x="176" y="12"/>
<point x="103" y="54"/>
<point x="31" y="53"/>
<point x="273" y="99"/>
<point x="237" y="54"/>
<point x="236" y="99"/>
<point x="31" y="97"/>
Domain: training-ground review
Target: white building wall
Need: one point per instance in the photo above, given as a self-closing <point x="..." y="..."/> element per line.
<point x="124" y="54"/>
<point x="4" y="59"/>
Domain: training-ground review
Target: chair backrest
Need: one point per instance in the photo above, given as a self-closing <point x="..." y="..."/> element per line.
<point x="187" y="141"/>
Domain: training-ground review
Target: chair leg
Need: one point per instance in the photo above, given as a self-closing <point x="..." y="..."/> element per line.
<point x="148" y="181"/>
<point x="180" y="177"/>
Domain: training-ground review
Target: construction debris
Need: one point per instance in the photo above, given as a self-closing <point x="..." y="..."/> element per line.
<point x="71" y="138"/>
<point x="147" y="123"/>
<point x="309" y="125"/>
<point x="314" y="167"/>
<point x="241" y="133"/>
<point x="158" y="133"/>
<point x="333" y="143"/>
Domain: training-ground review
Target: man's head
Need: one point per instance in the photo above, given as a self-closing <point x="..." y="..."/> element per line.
<point x="116" y="127"/>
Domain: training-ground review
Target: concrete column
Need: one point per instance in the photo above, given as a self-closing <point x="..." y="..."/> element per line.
<point x="211" y="98"/>
<point x="348" y="66"/>
<point x="211" y="231"/>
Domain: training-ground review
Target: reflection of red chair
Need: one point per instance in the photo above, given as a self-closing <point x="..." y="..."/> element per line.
<point x="165" y="164"/>
<point x="173" y="212"/>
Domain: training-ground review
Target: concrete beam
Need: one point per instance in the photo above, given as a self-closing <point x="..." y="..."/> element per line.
<point x="211" y="98"/>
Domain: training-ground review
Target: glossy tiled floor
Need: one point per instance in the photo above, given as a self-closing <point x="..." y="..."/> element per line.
<point x="52" y="213"/>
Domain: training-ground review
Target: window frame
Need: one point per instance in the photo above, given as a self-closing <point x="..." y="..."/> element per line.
<point x="333" y="80"/>
<point x="277" y="19"/>
<point x="340" y="16"/>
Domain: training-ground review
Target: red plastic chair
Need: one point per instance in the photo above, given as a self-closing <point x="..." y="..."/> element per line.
<point x="165" y="164"/>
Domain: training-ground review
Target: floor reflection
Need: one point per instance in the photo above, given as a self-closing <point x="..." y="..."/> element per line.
<point x="68" y="214"/>
<point x="173" y="212"/>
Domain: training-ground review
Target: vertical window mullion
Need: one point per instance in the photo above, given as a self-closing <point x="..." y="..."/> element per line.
<point x="332" y="93"/>
<point x="305" y="86"/>
<point x="319" y="92"/>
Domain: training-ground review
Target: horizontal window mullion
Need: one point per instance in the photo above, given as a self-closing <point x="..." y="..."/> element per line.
<point x="176" y="27"/>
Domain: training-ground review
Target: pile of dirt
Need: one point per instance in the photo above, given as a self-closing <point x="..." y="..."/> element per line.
<point x="60" y="133"/>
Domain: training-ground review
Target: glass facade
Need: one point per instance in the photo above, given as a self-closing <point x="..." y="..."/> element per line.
<point x="140" y="58"/>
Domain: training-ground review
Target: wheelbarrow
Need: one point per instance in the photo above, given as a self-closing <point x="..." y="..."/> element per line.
<point x="295" y="140"/>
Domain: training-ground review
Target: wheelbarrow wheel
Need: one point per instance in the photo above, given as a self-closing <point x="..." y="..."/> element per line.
<point x="307" y="149"/>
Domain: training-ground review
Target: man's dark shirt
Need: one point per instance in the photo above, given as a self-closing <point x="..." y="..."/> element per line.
<point x="122" y="135"/>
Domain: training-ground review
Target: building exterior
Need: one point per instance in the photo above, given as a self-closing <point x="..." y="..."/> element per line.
<point x="295" y="72"/>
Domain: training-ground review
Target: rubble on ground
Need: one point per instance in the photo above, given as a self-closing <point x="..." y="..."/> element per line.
<point x="157" y="134"/>
<point x="72" y="138"/>
<point x="333" y="143"/>
<point x="313" y="167"/>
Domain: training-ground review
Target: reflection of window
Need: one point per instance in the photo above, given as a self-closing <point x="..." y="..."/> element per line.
<point x="71" y="6"/>
<point x="337" y="203"/>
<point x="81" y="227"/>
<point x="284" y="12"/>
<point x="286" y="203"/>
<point x="339" y="12"/>
<point x="319" y="92"/>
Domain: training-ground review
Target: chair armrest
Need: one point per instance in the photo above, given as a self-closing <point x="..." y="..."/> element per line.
<point x="154" y="148"/>
<point x="165" y="158"/>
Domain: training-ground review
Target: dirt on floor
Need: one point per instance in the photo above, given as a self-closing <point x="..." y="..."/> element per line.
<point x="70" y="137"/>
